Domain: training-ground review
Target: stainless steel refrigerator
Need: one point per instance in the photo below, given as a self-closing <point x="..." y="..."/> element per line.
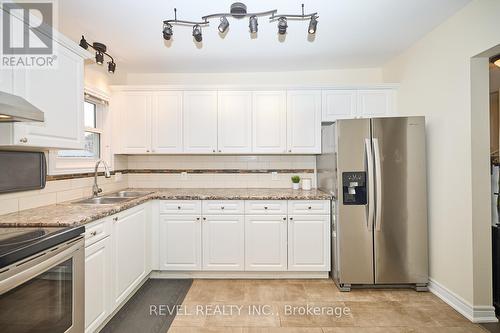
<point x="376" y="171"/>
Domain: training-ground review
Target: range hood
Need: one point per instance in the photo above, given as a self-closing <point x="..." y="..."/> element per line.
<point x="14" y="108"/>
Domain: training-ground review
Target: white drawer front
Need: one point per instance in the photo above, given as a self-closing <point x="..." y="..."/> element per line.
<point x="307" y="207"/>
<point x="263" y="207"/>
<point x="192" y="207"/>
<point x="97" y="231"/>
<point x="229" y="207"/>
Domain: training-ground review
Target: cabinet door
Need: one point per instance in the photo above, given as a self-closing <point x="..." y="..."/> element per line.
<point x="6" y="80"/>
<point x="135" y="110"/>
<point x="304" y="122"/>
<point x="58" y="92"/>
<point x="130" y="252"/>
<point x="269" y="122"/>
<point x="338" y="104"/>
<point x="375" y="103"/>
<point x="97" y="283"/>
<point x="265" y="243"/>
<point x="180" y="242"/>
<point x="223" y="242"/>
<point x="166" y="124"/>
<point x="309" y="243"/>
<point x="200" y="121"/>
<point x="234" y="122"/>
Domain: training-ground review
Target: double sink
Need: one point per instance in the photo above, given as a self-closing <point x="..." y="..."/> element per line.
<point x="112" y="198"/>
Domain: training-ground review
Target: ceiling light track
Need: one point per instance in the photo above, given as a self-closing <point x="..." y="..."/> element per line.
<point x="239" y="10"/>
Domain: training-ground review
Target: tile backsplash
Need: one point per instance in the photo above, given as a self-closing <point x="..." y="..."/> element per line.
<point x="167" y="171"/>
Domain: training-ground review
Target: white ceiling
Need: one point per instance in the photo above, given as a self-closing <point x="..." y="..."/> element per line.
<point x="351" y="33"/>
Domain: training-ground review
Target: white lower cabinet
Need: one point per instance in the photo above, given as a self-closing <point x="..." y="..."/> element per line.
<point x="265" y="243"/>
<point x="180" y="242"/>
<point x="223" y="242"/>
<point x="97" y="283"/>
<point x="130" y="251"/>
<point x="309" y="243"/>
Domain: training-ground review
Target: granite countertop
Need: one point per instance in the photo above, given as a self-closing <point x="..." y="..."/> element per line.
<point x="70" y="214"/>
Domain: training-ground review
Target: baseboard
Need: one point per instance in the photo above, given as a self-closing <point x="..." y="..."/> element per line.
<point x="237" y="275"/>
<point x="476" y="314"/>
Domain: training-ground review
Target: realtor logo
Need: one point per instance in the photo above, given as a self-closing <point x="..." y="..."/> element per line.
<point x="27" y="31"/>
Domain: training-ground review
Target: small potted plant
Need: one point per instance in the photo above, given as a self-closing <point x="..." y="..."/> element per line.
<point x="295" y="182"/>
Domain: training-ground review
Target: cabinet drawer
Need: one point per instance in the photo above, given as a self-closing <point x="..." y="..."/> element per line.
<point x="97" y="231"/>
<point x="308" y="207"/>
<point x="229" y="207"/>
<point x="192" y="207"/>
<point x="262" y="207"/>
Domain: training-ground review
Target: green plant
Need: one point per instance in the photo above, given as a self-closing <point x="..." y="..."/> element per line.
<point x="295" y="179"/>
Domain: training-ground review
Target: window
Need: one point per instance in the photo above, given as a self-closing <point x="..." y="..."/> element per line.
<point x="96" y="141"/>
<point x="92" y="122"/>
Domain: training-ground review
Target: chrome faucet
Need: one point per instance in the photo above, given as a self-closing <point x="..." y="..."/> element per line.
<point x="96" y="189"/>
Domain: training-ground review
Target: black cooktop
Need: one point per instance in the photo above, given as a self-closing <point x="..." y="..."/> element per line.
<point x="20" y="243"/>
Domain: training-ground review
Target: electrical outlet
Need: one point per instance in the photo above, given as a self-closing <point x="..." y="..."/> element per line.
<point x="274" y="175"/>
<point x="184" y="175"/>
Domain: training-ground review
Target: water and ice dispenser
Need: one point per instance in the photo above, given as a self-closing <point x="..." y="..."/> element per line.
<point x="354" y="188"/>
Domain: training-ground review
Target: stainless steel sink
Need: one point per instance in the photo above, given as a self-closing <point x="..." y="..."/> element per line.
<point x="101" y="201"/>
<point x="127" y="194"/>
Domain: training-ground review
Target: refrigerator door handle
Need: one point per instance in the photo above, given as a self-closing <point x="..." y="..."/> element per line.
<point x="378" y="185"/>
<point x="371" y="193"/>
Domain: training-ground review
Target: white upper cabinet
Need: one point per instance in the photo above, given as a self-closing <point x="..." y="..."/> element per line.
<point x="200" y="122"/>
<point x="6" y="80"/>
<point x="135" y="111"/>
<point x="269" y="122"/>
<point x="338" y="104"/>
<point x="166" y="124"/>
<point x="350" y="104"/>
<point x="304" y="121"/>
<point x="234" y="122"/>
<point x="375" y="102"/>
<point x="58" y="92"/>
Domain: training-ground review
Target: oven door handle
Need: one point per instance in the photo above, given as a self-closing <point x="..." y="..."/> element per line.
<point x="38" y="264"/>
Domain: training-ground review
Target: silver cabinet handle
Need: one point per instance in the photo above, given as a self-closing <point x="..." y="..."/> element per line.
<point x="23" y="140"/>
<point x="93" y="233"/>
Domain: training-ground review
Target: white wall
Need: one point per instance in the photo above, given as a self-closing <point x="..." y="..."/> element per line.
<point x="435" y="80"/>
<point x="334" y="77"/>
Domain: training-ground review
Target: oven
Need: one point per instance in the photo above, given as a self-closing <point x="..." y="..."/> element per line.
<point x="45" y="292"/>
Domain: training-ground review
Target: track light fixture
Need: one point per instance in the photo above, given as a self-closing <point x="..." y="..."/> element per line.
<point x="238" y="10"/>
<point x="312" y="25"/>
<point x="282" y="25"/>
<point x="197" y="33"/>
<point x="167" y="31"/>
<point x="253" y="24"/>
<point x="100" y="50"/>
<point x="224" y="24"/>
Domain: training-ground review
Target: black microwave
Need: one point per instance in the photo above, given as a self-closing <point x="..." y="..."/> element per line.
<point x="22" y="171"/>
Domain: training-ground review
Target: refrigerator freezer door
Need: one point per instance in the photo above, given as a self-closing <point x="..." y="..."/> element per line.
<point x="400" y="231"/>
<point x="354" y="231"/>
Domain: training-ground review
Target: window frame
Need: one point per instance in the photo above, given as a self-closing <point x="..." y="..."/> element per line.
<point x="68" y="165"/>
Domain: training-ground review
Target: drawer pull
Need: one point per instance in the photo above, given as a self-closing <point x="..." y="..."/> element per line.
<point x="222" y="208"/>
<point x="291" y="218"/>
<point x="204" y="219"/>
<point x="309" y="207"/>
<point x="265" y="207"/>
<point x="284" y="219"/>
<point x="178" y="207"/>
<point x="93" y="233"/>
<point x="197" y="219"/>
<point x="115" y="219"/>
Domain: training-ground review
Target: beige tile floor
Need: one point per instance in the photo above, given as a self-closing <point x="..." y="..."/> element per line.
<point x="377" y="311"/>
